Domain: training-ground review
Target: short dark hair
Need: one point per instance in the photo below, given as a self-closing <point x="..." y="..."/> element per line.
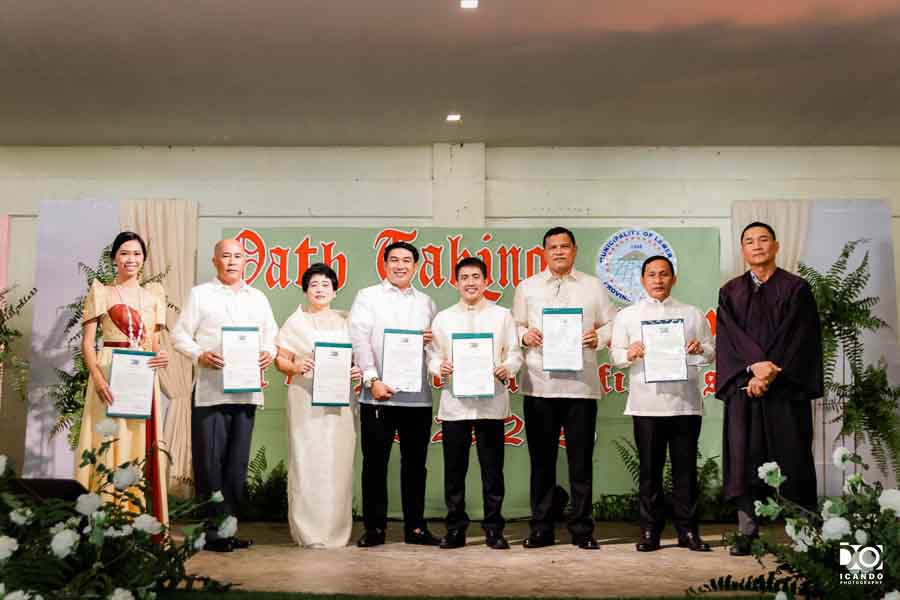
<point x="654" y="258"/>
<point x="757" y="224"/>
<point x="319" y="269"/>
<point x="471" y="261"/>
<point x="558" y="231"/>
<point x="401" y="246"/>
<point x="127" y="236"/>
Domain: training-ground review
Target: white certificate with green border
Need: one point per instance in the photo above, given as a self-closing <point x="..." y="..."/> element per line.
<point x="131" y="384"/>
<point x="402" y="359"/>
<point x="240" y="351"/>
<point x="331" y="374"/>
<point x="472" y="355"/>
<point x="562" y="329"/>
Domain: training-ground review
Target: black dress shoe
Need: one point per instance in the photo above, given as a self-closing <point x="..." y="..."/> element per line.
<point x="539" y="539"/>
<point x="240" y="543"/>
<point x="455" y="538"/>
<point x="649" y="541"/>
<point x="219" y="545"/>
<point x="587" y="543"/>
<point x="372" y="537"/>
<point x="495" y="540"/>
<point x="423" y="537"/>
<point x="691" y="539"/>
<point x="743" y="545"/>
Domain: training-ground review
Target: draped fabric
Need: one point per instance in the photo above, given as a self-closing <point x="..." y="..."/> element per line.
<point x="169" y="226"/>
<point x="4" y="258"/>
<point x="789" y="219"/>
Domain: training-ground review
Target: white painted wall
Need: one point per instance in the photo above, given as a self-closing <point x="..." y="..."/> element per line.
<point x="440" y="185"/>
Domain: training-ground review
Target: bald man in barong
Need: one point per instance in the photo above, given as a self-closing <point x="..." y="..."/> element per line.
<point x="768" y="372"/>
<point x="222" y="418"/>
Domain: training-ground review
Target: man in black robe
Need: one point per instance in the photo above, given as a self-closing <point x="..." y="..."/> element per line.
<point x="768" y="370"/>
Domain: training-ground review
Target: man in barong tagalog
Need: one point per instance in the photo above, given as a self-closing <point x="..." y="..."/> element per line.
<point x="768" y="370"/>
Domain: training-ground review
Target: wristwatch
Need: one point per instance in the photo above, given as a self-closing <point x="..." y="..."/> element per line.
<point x="368" y="383"/>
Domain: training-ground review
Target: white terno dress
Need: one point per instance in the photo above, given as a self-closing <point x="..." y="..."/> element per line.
<point x="322" y="440"/>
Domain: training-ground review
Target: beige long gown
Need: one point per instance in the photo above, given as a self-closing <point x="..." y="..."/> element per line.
<point x="321" y="441"/>
<point x="135" y="436"/>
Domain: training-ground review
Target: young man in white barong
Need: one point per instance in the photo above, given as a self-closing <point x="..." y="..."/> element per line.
<point x="667" y="415"/>
<point x="484" y="414"/>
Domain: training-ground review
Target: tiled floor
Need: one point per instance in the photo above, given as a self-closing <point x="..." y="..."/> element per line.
<point x="275" y="563"/>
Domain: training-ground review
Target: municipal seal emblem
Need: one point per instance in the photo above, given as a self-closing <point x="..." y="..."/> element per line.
<point x="621" y="256"/>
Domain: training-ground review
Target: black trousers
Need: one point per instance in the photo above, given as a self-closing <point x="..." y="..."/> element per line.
<point x="654" y="436"/>
<point x="220" y="437"/>
<point x="578" y="419"/>
<point x="457" y="445"/>
<point x="378" y="424"/>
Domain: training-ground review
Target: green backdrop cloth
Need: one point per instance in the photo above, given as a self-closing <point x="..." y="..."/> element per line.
<point x="279" y="256"/>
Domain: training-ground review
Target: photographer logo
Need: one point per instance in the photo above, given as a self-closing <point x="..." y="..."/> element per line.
<point x="862" y="564"/>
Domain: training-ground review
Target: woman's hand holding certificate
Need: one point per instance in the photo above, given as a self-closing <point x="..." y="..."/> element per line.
<point x="331" y="376"/>
<point x="131" y="386"/>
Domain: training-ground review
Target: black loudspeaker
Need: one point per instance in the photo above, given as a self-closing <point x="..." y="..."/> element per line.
<point x="44" y="489"/>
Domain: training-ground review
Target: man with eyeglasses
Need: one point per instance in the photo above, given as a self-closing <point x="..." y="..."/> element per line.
<point x="555" y="400"/>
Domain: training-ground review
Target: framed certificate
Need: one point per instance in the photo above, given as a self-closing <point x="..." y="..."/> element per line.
<point x="240" y="351"/>
<point x="665" y="356"/>
<point x="131" y="384"/>
<point x="472" y="355"/>
<point x="402" y="359"/>
<point x="331" y="375"/>
<point x="562" y="330"/>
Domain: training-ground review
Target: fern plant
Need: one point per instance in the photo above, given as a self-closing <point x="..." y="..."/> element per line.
<point x="863" y="399"/>
<point x="265" y="497"/>
<point x="17" y="367"/>
<point x="68" y="394"/>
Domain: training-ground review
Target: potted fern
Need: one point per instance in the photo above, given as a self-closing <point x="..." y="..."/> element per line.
<point x="863" y="399"/>
<point x="15" y="366"/>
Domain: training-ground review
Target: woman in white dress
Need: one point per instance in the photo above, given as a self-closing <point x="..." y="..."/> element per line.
<point x="322" y="439"/>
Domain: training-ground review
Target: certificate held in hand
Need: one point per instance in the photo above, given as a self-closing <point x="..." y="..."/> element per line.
<point x="562" y="331"/>
<point x="402" y="364"/>
<point x="240" y="351"/>
<point x="331" y="374"/>
<point x="472" y="355"/>
<point x="131" y="384"/>
<point x="665" y="356"/>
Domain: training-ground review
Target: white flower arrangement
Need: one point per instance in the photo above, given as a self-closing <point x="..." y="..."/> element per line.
<point x="841" y="458"/>
<point x="63" y="543"/>
<point x="87" y="504"/>
<point x="121" y="594"/>
<point x="21" y="516"/>
<point x="861" y="537"/>
<point x="894" y="595"/>
<point x="228" y="527"/>
<point x="8" y="545"/>
<point x="91" y="545"/>
<point x="125" y="477"/>
<point x="107" y="428"/>
<point x="148" y="524"/>
<point x="217" y="498"/>
<point x="835" y="528"/>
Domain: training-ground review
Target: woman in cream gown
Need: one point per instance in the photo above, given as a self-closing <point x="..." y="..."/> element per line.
<point x="129" y="317"/>
<point x="322" y="439"/>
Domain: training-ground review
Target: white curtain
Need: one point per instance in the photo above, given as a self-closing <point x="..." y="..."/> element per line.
<point x="789" y="219"/>
<point x="169" y="227"/>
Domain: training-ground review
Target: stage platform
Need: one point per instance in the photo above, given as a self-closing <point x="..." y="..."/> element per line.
<point x="275" y="563"/>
